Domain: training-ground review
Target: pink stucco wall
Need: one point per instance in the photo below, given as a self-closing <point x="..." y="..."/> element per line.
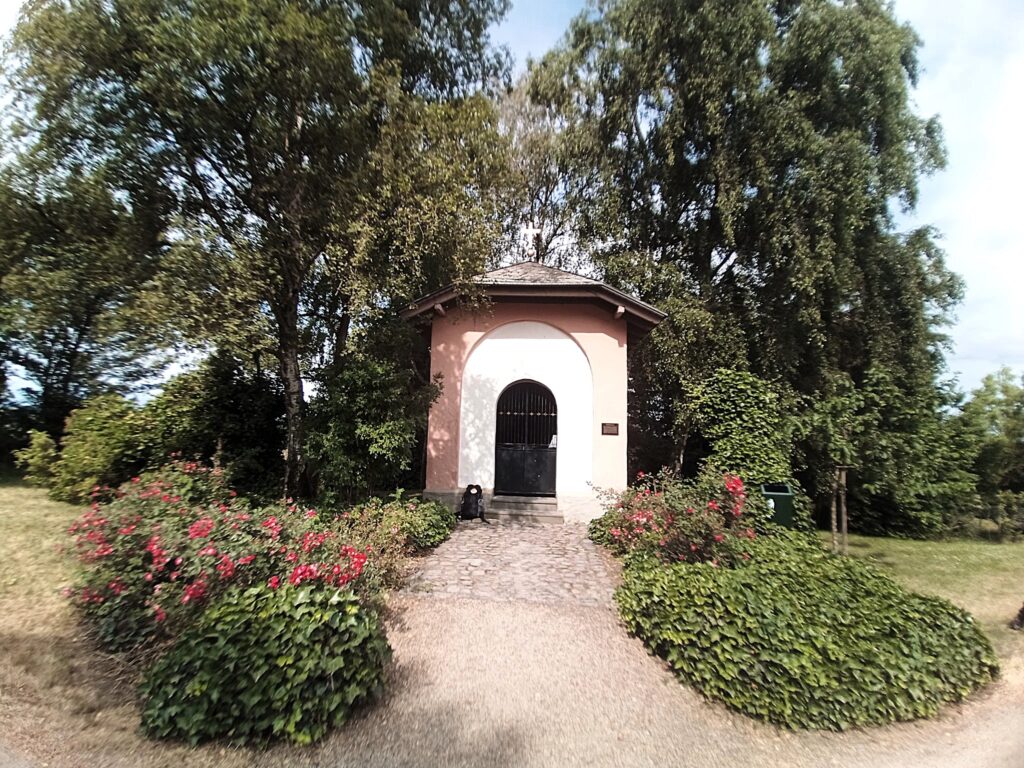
<point x="602" y="339"/>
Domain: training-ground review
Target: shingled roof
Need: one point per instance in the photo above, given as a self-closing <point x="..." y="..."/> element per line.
<point x="531" y="281"/>
<point x="532" y="273"/>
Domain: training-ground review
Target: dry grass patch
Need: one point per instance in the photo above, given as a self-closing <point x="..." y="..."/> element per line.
<point x="49" y="673"/>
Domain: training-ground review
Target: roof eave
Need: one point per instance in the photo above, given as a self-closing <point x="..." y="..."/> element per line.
<point x="640" y="314"/>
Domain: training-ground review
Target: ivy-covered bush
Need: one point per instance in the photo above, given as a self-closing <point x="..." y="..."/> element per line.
<point x="168" y="542"/>
<point x="264" y="664"/>
<point x="707" y="520"/>
<point x="742" y="418"/>
<point x="805" y="639"/>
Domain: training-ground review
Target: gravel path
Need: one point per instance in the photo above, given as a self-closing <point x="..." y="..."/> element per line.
<point x="504" y="659"/>
<point x="512" y="561"/>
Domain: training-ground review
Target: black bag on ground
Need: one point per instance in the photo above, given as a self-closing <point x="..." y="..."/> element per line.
<point x="472" y="503"/>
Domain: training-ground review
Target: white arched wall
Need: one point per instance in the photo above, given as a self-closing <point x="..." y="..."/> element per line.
<point x="541" y="352"/>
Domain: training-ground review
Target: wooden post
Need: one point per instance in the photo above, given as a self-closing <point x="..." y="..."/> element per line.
<point x="835" y="532"/>
<point x="842" y="510"/>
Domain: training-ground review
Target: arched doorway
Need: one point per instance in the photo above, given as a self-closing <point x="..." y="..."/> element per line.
<point x="526" y="435"/>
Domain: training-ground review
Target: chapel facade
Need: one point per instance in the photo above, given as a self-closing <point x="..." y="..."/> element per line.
<point x="533" y="406"/>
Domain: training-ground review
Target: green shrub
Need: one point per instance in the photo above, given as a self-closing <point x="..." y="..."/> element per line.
<point x="392" y="530"/>
<point x="805" y="639"/>
<point x="427" y="523"/>
<point x="36" y="460"/>
<point x="262" y="664"/>
<point x="101" y="446"/>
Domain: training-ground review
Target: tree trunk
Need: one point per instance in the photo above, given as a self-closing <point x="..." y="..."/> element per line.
<point x="842" y="512"/>
<point x="835" y="527"/>
<point x="681" y="455"/>
<point x="295" y="484"/>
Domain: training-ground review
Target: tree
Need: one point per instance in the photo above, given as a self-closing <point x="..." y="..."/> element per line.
<point x="742" y="162"/>
<point x="540" y="176"/>
<point x="224" y="414"/>
<point x="74" y="261"/>
<point x="260" y="120"/>
<point x="994" y="415"/>
<point x="370" y="414"/>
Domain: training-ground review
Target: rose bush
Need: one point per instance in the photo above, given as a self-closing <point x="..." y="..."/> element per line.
<point x="267" y="616"/>
<point x="168" y="542"/>
<point x="675" y="522"/>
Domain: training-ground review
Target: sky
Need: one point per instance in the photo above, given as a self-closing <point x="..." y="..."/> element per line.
<point x="973" y="78"/>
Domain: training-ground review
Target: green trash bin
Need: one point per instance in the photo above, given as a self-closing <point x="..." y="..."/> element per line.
<point x="780" y="499"/>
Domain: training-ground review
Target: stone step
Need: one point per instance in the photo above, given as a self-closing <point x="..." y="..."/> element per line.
<point x="543" y="504"/>
<point x="536" y="509"/>
<point x="523" y="517"/>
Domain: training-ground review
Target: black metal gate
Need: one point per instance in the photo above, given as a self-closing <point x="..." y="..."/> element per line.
<point x="524" y="456"/>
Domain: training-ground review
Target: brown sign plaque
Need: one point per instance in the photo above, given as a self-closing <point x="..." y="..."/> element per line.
<point x="609" y="429"/>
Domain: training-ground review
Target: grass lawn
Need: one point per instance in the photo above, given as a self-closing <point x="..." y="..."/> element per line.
<point x="985" y="578"/>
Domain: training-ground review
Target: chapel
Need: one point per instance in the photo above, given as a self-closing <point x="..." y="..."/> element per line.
<point x="533" y="406"/>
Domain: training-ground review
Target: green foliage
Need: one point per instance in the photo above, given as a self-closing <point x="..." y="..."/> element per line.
<point x="741" y="417"/>
<point x="912" y="475"/>
<point x="37" y="459"/>
<point x="265" y="665"/>
<point x="1004" y="514"/>
<point x="685" y="350"/>
<point x="427" y="523"/>
<point x="100" y="446"/>
<point x="392" y="529"/>
<point x="218" y="413"/>
<point x="221" y="412"/>
<point x="364" y="424"/>
<point x="339" y="156"/>
<point x="73" y="262"/>
<point x="540" y="195"/>
<point x="804" y="639"/>
<point x="994" y="417"/>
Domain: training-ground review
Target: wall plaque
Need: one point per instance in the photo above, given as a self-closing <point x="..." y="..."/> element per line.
<point x="609" y="429"/>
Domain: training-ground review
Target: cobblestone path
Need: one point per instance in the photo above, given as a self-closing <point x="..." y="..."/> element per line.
<point x="515" y="561"/>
